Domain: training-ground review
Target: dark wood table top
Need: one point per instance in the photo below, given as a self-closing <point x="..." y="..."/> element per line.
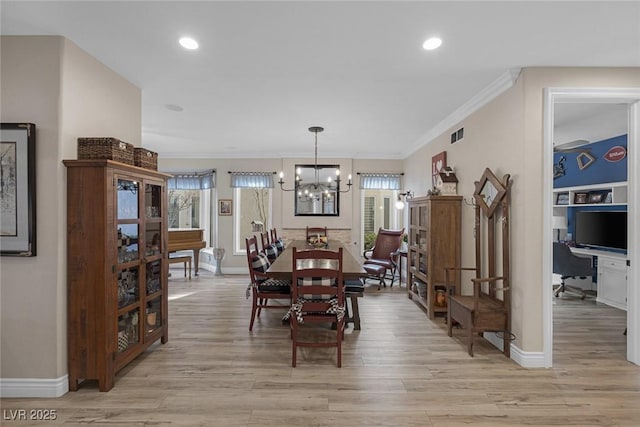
<point x="282" y="266"/>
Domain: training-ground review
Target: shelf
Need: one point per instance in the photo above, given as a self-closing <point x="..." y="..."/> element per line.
<point x="614" y="192"/>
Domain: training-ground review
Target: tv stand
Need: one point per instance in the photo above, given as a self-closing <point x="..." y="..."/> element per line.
<point x="612" y="276"/>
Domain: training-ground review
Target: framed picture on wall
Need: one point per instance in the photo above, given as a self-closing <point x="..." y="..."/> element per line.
<point x="224" y="207"/>
<point x="18" y="189"/>
<point x="438" y="163"/>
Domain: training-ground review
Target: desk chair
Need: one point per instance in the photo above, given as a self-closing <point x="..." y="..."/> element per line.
<point x="567" y="265"/>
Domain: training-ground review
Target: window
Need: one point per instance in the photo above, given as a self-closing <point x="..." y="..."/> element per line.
<point x="378" y="211"/>
<point x="252" y="205"/>
<point x="189" y="202"/>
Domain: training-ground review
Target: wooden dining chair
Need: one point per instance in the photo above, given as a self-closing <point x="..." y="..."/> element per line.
<point x="268" y="248"/>
<point x="316" y="232"/>
<point x="263" y="288"/>
<point x="277" y="240"/>
<point x="317" y="297"/>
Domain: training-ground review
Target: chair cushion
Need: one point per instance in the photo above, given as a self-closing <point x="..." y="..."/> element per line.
<point x="317" y="281"/>
<point x="272" y="252"/>
<point x="353" y="286"/>
<point x="260" y="263"/>
<point x="275" y="285"/>
<point x="375" y="269"/>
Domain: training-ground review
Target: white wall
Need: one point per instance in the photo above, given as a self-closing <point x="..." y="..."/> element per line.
<point x="49" y="81"/>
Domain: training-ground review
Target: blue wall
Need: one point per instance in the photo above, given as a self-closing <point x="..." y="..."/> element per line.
<point x="599" y="171"/>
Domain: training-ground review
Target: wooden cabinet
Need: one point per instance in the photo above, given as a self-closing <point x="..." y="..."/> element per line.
<point x="434" y="244"/>
<point x="116" y="266"/>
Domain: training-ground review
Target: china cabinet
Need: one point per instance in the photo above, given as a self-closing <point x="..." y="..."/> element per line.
<point x="116" y="266"/>
<point x="434" y="244"/>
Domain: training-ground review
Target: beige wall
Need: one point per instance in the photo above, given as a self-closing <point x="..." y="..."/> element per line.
<point x="288" y="225"/>
<point x="506" y="136"/>
<point x="51" y="82"/>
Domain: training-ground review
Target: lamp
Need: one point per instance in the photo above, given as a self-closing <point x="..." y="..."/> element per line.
<point x="559" y="222"/>
<point x="399" y="202"/>
<point x="317" y="185"/>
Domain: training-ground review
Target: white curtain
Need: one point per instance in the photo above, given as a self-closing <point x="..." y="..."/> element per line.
<point x="251" y="179"/>
<point x="380" y="181"/>
<point x="192" y="181"/>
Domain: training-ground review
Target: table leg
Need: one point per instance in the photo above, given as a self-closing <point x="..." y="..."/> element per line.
<point x="196" y="258"/>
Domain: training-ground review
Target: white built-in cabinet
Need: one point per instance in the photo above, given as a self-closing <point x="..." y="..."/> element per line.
<point x="612" y="281"/>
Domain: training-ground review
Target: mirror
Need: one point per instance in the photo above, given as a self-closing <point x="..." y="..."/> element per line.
<point x="316" y="190"/>
<point x="489" y="192"/>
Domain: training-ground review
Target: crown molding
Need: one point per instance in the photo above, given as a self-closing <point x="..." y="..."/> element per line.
<point x="482" y="98"/>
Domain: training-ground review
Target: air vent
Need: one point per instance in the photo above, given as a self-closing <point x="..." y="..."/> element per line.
<point x="457" y="135"/>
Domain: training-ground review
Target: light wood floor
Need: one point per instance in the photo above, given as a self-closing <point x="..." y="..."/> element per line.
<point x="400" y="370"/>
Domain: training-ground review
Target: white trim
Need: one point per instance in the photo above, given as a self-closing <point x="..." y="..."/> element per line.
<point x="482" y="98"/>
<point x="33" y="387"/>
<point x="633" y="249"/>
<point x="527" y="359"/>
<point x="585" y="95"/>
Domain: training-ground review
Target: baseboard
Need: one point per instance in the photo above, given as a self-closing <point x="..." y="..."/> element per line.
<point x="33" y="387"/>
<point x="526" y="359"/>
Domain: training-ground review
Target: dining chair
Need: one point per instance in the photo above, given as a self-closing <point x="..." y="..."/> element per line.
<point x="317" y="297"/>
<point x="263" y="288"/>
<point x="277" y="240"/>
<point x="316" y="232"/>
<point x="383" y="254"/>
<point x="268" y="248"/>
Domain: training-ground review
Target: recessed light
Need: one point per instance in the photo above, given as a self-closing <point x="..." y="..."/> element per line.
<point x="173" y="107"/>
<point x="188" y="43"/>
<point x="432" y="43"/>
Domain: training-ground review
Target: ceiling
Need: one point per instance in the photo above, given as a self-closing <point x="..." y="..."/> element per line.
<point x="266" y="71"/>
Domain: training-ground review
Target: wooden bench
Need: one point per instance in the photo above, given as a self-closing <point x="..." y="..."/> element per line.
<point x="182" y="259"/>
<point x="480" y="312"/>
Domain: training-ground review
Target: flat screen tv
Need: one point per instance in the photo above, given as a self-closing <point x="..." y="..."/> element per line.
<point x="601" y="229"/>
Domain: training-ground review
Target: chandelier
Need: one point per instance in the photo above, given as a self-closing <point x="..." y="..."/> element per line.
<point x="315" y="188"/>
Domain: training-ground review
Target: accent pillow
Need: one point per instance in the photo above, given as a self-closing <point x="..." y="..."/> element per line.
<point x="272" y="252"/>
<point x="260" y="263"/>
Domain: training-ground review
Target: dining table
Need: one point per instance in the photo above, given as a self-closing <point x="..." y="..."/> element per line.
<point x="282" y="267"/>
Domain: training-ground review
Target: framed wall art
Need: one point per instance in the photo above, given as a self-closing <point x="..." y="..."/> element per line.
<point x="17" y="189"/>
<point x="438" y="163"/>
<point x="225" y="207"/>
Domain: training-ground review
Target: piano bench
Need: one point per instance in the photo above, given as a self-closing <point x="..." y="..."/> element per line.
<point x="182" y="259"/>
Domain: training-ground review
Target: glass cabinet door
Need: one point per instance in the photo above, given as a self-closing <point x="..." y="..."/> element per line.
<point x="127" y="243"/>
<point x="153" y="201"/>
<point x="127" y="199"/>
<point x="153" y="317"/>
<point x="128" y="287"/>
<point x="128" y="329"/>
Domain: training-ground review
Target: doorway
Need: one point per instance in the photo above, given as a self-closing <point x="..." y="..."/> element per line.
<point x="630" y="98"/>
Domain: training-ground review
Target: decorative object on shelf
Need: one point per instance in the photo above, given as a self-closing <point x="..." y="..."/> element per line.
<point x="562" y="199"/>
<point x="595" y="197"/>
<point x="438" y="163"/>
<point x="225" y="207"/>
<point x="580" y="198"/>
<point x="433" y="192"/>
<point x="151" y="318"/>
<point x="17" y="189"/>
<point x="585" y="159"/>
<point x="105" y="148"/>
<point x="145" y="158"/>
<point x="319" y="186"/>
<point x="447" y="182"/>
<point x="441" y="297"/>
<point x="609" y="197"/>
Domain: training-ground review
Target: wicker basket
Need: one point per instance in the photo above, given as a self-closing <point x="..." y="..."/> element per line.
<point x="145" y="158"/>
<point x="105" y="148"/>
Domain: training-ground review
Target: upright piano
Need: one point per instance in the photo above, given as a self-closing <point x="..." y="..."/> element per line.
<point x="184" y="239"/>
